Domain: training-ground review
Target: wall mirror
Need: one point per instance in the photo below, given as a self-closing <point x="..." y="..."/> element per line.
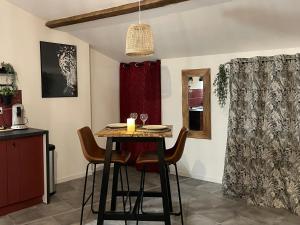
<point x="196" y="102"/>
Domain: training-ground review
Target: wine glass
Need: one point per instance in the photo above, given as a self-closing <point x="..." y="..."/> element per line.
<point x="134" y="116"/>
<point x="144" y="117"/>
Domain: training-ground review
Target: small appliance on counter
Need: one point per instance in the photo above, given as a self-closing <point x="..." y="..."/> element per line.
<point x="19" y="120"/>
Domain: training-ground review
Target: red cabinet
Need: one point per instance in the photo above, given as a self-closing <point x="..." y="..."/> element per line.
<point x="13" y="172"/>
<point x="31" y="167"/>
<point x="3" y="174"/>
<point x="21" y="172"/>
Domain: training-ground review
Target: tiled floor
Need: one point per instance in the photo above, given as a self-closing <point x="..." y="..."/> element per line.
<point x="203" y="204"/>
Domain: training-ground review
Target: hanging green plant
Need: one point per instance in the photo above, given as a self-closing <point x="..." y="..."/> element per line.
<point x="221" y="85"/>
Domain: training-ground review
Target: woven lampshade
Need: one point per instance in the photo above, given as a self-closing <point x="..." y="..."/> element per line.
<point x="139" y="40"/>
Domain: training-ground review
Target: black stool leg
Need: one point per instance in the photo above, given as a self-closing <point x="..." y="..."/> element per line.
<point x="93" y="190"/>
<point x="128" y="188"/>
<point x="143" y="189"/>
<point x="141" y="193"/>
<point x="115" y="185"/>
<point x="84" y="190"/>
<point x="179" y="194"/>
<point x="122" y="189"/>
<point x="169" y="187"/>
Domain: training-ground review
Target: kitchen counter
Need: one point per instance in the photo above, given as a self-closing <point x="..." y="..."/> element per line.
<point x="4" y="135"/>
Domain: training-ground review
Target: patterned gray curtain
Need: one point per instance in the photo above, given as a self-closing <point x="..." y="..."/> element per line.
<point x="262" y="162"/>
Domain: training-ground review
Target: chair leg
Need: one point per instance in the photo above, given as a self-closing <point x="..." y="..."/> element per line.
<point x="143" y="189"/>
<point x="141" y="193"/>
<point x="128" y="188"/>
<point x="84" y="190"/>
<point x="122" y="189"/>
<point x="179" y="195"/>
<point x="169" y="187"/>
<point x="93" y="191"/>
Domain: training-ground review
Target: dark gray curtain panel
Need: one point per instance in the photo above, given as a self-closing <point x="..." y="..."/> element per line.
<point x="262" y="163"/>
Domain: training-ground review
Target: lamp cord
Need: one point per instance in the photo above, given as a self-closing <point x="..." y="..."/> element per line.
<point x="139" y="11"/>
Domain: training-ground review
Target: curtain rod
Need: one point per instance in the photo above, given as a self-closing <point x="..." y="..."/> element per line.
<point x="250" y="60"/>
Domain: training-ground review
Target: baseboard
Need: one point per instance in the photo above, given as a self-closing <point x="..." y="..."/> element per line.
<point x="72" y="177"/>
<point x="172" y="171"/>
<point x="77" y="176"/>
<point x="195" y="176"/>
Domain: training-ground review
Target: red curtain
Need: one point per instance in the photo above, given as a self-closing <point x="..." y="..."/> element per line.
<point x="140" y="92"/>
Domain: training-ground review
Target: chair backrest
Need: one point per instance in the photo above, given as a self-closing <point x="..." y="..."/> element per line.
<point x="88" y="143"/>
<point x="179" y="146"/>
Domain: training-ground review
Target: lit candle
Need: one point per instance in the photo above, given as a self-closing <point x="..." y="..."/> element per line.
<point x="130" y="125"/>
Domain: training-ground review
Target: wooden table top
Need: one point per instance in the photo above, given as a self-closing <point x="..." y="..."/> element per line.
<point x="122" y="132"/>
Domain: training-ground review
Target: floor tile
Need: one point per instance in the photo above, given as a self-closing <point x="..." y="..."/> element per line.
<point x="54" y="208"/>
<point x="241" y="220"/>
<point x="44" y="221"/>
<point x="5" y="220"/>
<point x="25" y="215"/>
<point x="203" y="203"/>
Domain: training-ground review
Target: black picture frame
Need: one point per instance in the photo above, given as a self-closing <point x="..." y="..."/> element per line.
<point x="58" y="70"/>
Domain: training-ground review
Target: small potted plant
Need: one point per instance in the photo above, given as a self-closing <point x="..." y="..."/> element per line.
<point x="6" y="95"/>
<point x="9" y="72"/>
<point x="7" y="68"/>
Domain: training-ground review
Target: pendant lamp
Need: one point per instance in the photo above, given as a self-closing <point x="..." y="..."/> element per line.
<point x="139" y="39"/>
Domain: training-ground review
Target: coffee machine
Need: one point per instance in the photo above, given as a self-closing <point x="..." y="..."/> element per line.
<point x="19" y="120"/>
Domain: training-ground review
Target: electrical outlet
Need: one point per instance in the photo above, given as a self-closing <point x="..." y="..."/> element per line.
<point x="1" y="110"/>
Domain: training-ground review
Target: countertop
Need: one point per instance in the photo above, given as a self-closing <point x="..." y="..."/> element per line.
<point x="21" y="133"/>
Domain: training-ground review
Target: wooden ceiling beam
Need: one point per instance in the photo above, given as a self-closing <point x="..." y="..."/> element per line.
<point x="110" y="12"/>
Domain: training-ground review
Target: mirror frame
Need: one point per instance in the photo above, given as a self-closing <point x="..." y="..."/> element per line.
<point x="205" y="75"/>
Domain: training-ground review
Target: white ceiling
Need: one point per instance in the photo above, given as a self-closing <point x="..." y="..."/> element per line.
<point x="53" y="9"/>
<point x="197" y="27"/>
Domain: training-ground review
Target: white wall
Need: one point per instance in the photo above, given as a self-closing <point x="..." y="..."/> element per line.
<point x="19" y="44"/>
<point x="20" y="35"/>
<point x="202" y="159"/>
<point x="104" y="91"/>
